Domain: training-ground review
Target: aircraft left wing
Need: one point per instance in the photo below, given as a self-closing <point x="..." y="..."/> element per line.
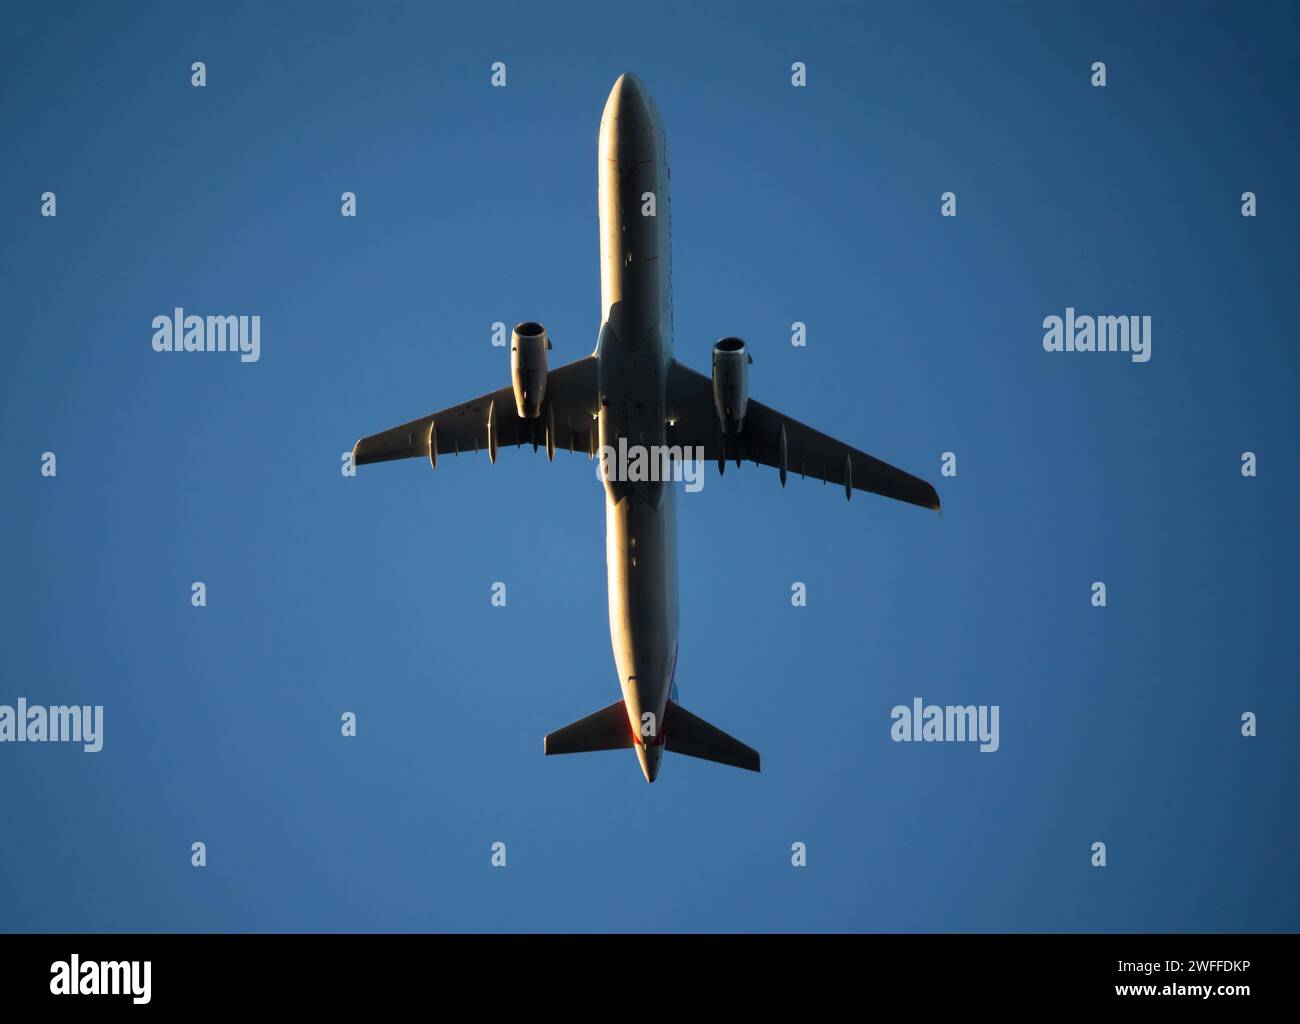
<point x="490" y="421"/>
<point x="776" y="440"/>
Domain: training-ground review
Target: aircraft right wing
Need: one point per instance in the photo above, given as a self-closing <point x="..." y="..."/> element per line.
<point x="490" y="421"/>
<point x="774" y="439"/>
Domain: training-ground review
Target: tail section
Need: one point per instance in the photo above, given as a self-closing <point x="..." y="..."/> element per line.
<point x="685" y="733"/>
<point x="607" y="729"/>
<point x="681" y="733"/>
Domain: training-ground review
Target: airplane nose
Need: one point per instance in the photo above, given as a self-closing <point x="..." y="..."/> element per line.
<point x="629" y="100"/>
<point x="630" y="130"/>
<point x="629" y="86"/>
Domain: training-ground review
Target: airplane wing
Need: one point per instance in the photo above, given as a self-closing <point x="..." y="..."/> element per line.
<point x="773" y="439"/>
<point x="490" y="421"/>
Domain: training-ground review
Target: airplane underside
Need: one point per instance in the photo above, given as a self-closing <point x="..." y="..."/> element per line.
<point x="632" y="392"/>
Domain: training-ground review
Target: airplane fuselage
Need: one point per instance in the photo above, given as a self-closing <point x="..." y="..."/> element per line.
<point x="634" y="353"/>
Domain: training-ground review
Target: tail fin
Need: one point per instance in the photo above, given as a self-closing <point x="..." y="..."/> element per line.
<point x="607" y="729"/>
<point x="688" y="734"/>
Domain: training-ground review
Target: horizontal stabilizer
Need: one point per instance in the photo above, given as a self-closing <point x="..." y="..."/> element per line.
<point x="685" y="733"/>
<point x="607" y="729"/>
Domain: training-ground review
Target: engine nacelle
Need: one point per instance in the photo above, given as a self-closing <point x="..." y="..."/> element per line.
<point x="528" y="347"/>
<point x="731" y="383"/>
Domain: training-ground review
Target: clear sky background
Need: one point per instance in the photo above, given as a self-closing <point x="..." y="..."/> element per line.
<point x="328" y="594"/>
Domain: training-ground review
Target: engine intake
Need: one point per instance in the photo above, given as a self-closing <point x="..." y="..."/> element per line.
<point x="731" y="383"/>
<point x="528" y="347"/>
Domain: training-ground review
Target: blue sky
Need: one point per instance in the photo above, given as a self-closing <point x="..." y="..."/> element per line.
<point x="821" y="205"/>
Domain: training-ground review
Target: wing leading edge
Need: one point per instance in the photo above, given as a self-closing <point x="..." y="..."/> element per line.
<point x="776" y="440"/>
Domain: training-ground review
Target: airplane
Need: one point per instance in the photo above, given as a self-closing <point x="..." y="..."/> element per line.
<point x="631" y="391"/>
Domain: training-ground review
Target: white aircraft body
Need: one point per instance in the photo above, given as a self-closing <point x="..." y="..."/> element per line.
<point x="631" y="392"/>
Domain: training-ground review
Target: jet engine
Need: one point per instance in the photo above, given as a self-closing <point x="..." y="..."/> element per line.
<point x="528" y="347"/>
<point x="731" y="383"/>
